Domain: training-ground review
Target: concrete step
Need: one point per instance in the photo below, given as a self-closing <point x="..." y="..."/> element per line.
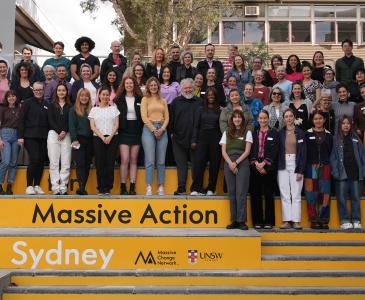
<point x="189" y="277"/>
<point x="314" y="257"/>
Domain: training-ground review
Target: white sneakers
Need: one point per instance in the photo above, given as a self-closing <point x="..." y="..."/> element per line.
<point x="37" y="190"/>
<point x="357" y="225"/>
<point x="195" y="193"/>
<point x="210" y="193"/>
<point x="161" y="191"/>
<point x="346" y="226"/>
<point x="149" y="190"/>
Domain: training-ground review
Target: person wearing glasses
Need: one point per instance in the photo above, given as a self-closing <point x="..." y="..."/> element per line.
<point x="276" y="108"/>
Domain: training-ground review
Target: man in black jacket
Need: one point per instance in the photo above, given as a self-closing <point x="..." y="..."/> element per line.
<point x="115" y="61"/>
<point x="27" y="53"/>
<point x="175" y="60"/>
<point x="181" y="125"/>
<point x="209" y="62"/>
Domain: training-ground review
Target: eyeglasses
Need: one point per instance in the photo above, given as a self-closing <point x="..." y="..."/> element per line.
<point x="37" y="90"/>
<point x="276" y="94"/>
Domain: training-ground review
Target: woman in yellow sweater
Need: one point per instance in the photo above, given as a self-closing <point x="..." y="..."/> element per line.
<point x="155" y="116"/>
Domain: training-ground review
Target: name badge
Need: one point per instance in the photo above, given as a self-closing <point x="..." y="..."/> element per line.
<point x="138" y="104"/>
<point x="270" y="139"/>
<point x="300" y="141"/>
<point x="300" y="110"/>
<point x="115" y="66"/>
<point x="260" y="92"/>
<point x="362" y="108"/>
<point x="355" y="140"/>
<point x="241" y="138"/>
<point x="81" y="58"/>
<point x="312" y="137"/>
<point x="45" y="107"/>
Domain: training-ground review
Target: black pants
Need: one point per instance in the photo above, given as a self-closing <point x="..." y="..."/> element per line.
<point x="83" y="157"/>
<point x="208" y="149"/>
<point x="182" y="156"/>
<point x="262" y="185"/>
<point x="104" y="159"/>
<point x="37" y="151"/>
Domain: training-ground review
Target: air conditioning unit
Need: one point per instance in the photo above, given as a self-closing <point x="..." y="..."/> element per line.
<point x="252" y="11"/>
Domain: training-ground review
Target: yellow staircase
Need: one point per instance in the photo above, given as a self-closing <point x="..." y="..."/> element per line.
<point x="136" y="247"/>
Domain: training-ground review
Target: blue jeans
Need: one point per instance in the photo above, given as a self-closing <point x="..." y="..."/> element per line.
<point x="154" y="149"/>
<point x="9" y="154"/>
<point x="344" y="188"/>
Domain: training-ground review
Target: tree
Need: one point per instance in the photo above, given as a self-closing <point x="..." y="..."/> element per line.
<point x="151" y="23"/>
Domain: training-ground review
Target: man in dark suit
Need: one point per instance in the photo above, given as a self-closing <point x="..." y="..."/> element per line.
<point x="209" y="62"/>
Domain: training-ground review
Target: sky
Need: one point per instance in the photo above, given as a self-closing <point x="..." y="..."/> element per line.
<point x="63" y="20"/>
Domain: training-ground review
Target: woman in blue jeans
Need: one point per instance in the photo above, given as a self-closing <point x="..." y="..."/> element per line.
<point x="155" y="116"/>
<point x="348" y="169"/>
<point x="9" y="116"/>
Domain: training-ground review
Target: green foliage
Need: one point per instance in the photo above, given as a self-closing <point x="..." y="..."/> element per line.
<point x="255" y="50"/>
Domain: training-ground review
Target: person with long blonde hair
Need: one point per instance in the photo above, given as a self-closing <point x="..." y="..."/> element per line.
<point x="155" y="67"/>
<point x="81" y="137"/>
<point x="155" y="116"/>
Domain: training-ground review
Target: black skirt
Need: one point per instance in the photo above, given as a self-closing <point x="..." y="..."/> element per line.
<point x="130" y="134"/>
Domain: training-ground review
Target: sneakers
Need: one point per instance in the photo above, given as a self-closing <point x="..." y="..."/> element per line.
<point x="149" y="190"/>
<point x="346" y="226"/>
<point x="30" y="190"/>
<point x="161" y="191"/>
<point x="297" y="226"/>
<point x="210" y="193"/>
<point x="242" y="226"/>
<point x="38" y="190"/>
<point x="285" y="225"/>
<point x="357" y="225"/>
<point x="180" y="192"/>
<point x="195" y="193"/>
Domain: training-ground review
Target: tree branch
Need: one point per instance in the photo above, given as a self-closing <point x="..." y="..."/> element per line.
<point x="123" y="20"/>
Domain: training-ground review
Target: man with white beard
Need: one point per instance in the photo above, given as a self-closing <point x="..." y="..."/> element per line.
<point x="181" y="124"/>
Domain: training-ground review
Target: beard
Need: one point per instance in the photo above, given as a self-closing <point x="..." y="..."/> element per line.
<point x="187" y="95"/>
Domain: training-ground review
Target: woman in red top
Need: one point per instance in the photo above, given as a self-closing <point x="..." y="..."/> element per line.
<point x="293" y="68"/>
<point x="260" y="91"/>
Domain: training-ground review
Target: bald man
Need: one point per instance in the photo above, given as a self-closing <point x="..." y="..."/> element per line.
<point x="115" y="61"/>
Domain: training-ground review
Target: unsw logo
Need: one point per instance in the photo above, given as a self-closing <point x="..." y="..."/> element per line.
<point x="192" y="256"/>
<point x="148" y="260"/>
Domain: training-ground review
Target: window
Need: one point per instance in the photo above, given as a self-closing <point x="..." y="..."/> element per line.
<point x="279" y="31"/>
<point x="300" y="11"/>
<point x="301" y="32"/>
<point x="278" y="11"/>
<point x="345" y="11"/>
<point x="363" y="32"/>
<point x="362" y="12"/>
<point x="215" y="35"/>
<point x="325" y="32"/>
<point x="254" y="32"/>
<point x="324" y="11"/>
<point x="232" y="32"/>
<point x="199" y="36"/>
<point x="346" y="30"/>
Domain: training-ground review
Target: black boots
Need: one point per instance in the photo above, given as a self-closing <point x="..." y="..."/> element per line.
<point x="132" y="189"/>
<point x="9" y="190"/>
<point x="81" y="190"/>
<point x="124" y="191"/>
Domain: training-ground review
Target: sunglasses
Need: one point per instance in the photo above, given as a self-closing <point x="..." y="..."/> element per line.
<point x="276" y="94"/>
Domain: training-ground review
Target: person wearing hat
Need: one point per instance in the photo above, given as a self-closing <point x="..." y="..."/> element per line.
<point x="85" y="45"/>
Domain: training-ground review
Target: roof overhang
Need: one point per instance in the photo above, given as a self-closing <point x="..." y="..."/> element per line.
<point x="30" y="31"/>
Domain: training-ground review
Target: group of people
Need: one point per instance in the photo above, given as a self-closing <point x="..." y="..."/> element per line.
<point x="296" y="124"/>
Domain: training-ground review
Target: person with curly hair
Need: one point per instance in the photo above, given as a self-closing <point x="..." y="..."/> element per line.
<point x="85" y="45"/>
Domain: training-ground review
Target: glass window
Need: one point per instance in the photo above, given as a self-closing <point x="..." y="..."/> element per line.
<point x="300" y="11"/>
<point x="346" y="30"/>
<point x="279" y="32"/>
<point x="363" y="32"/>
<point x="254" y="32"/>
<point x="232" y="32"/>
<point x="345" y="11"/>
<point x="199" y="36"/>
<point x="215" y="35"/>
<point x="278" y="11"/>
<point x="301" y="32"/>
<point x="362" y="12"/>
<point x="325" y="32"/>
<point x="324" y="11"/>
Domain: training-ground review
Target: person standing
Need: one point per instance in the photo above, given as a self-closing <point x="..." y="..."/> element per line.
<point x="203" y="66"/>
<point x="50" y="89"/>
<point x="115" y="61"/>
<point x="255" y="105"/>
<point x="228" y="62"/>
<point x="32" y="133"/>
<point x="317" y="176"/>
<point x="236" y="144"/>
<point x="239" y="71"/>
<point x="348" y="64"/>
<point x="263" y="160"/>
<point x="35" y="71"/>
<point x="58" y="141"/>
<point x="22" y="83"/>
<point x="343" y="107"/>
<point x="174" y="63"/>
<point x="276" y="108"/>
<point x="181" y="127"/>
<point x="205" y="143"/>
<point x="186" y="70"/>
<point x="211" y="81"/>
<point x="104" y="122"/>
<point x="284" y="84"/>
<point x="128" y="101"/>
<point x="4" y="81"/>
<point x="81" y="138"/>
<point x="294" y="68"/>
<point x="9" y="120"/>
<point x="291" y="167"/>
<point x="85" y="82"/>
<point x="348" y="170"/>
<point x="155" y="116"/>
<point x="155" y="67"/>
<point x="58" y="59"/>
<point x="84" y="45"/>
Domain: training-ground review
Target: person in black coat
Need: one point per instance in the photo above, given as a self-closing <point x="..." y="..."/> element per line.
<point x="155" y="67"/>
<point x="264" y="158"/>
<point x="128" y="100"/>
<point x="115" y="61"/>
<point x="186" y="70"/>
<point x="211" y="81"/>
<point x="209" y="62"/>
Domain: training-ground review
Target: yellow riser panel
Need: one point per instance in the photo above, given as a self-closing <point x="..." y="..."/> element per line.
<point x="345" y="250"/>
<point x="177" y="297"/>
<point x="193" y="281"/>
<point x="170" y="187"/>
<point x="313" y="265"/>
<point x="217" y="210"/>
<point x="312" y="236"/>
<point x="130" y="252"/>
